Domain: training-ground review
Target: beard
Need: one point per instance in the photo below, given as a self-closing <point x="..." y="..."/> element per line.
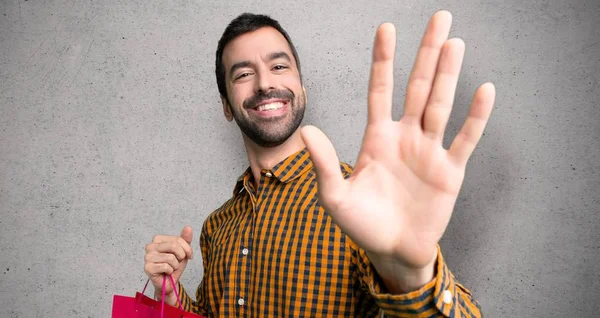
<point x="271" y="132"/>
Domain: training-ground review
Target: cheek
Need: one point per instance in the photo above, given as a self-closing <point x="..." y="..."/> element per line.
<point x="239" y="94"/>
<point x="293" y="84"/>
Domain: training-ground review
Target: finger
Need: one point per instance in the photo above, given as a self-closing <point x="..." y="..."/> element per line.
<point x="167" y="258"/>
<point x="150" y="247"/>
<point x="440" y="102"/>
<point x="465" y="142"/>
<point x="173" y="247"/>
<point x="187" y="235"/>
<point x="381" y="83"/>
<point x="422" y="75"/>
<point x="186" y="247"/>
<point x="157" y="269"/>
<point x="327" y="166"/>
<point x="162" y="238"/>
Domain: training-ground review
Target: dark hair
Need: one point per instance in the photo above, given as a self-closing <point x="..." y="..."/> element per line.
<point x="244" y="23"/>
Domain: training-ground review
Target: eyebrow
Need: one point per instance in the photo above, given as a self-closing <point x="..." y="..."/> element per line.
<point x="270" y="57"/>
<point x="279" y="55"/>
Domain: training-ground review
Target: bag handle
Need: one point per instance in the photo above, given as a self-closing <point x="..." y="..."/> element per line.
<point x="164" y="284"/>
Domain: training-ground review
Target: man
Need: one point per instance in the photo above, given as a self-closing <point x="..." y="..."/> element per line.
<point x="304" y="235"/>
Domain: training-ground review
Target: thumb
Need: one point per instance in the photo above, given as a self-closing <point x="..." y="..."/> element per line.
<point x="187" y="234"/>
<point x="327" y="166"/>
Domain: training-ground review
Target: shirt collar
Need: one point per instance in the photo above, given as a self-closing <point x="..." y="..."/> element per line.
<point x="287" y="170"/>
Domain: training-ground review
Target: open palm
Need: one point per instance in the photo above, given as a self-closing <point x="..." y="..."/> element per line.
<point x="400" y="198"/>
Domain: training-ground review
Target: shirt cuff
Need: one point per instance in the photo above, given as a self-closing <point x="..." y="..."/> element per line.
<point x="437" y="297"/>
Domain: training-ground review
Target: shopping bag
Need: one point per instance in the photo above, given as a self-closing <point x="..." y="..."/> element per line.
<point x="145" y="307"/>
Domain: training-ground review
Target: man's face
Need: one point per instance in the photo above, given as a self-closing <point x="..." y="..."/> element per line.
<point x="263" y="86"/>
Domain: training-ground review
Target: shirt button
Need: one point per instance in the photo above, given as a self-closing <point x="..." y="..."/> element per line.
<point x="245" y="251"/>
<point x="268" y="174"/>
<point x="241" y="301"/>
<point x="447" y="297"/>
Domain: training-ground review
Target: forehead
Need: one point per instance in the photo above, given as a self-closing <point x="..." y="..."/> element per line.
<point x="255" y="44"/>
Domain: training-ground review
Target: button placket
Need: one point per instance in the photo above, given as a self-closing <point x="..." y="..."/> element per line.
<point x="243" y="266"/>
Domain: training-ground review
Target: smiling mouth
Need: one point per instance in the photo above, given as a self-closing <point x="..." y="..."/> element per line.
<point x="269" y="107"/>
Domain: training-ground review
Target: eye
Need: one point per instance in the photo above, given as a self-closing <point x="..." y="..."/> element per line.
<point x="279" y="67"/>
<point x="242" y="75"/>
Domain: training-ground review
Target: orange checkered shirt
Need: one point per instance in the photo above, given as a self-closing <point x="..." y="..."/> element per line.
<point x="273" y="251"/>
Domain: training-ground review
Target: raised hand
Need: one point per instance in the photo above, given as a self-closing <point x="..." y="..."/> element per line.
<point x="168" y="255"/>
<point x="399" y="200"/>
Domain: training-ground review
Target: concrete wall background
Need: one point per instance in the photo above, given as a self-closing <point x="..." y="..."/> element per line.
<point x="111" y="132"/>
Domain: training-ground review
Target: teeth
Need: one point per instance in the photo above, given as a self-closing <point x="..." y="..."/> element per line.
<point x="268" y="107"/>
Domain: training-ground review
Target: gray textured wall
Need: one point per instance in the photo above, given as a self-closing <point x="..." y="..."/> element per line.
<point x="112" y="132"/>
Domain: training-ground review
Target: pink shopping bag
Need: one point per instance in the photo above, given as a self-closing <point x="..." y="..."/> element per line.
<point x="145" y="307"/>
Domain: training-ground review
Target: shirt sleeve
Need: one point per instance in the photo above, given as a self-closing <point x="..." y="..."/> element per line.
<point x="441" y="297"/>
<point x="198" y="306"/>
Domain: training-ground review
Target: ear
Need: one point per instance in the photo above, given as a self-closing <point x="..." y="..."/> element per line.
<point x="226" y="109"/>
<point x="305" y="97"/>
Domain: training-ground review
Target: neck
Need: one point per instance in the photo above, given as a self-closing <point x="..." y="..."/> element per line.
<point x="266" y="158"/>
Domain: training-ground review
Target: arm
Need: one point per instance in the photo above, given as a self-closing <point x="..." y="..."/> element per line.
<point x="399" y="200"/>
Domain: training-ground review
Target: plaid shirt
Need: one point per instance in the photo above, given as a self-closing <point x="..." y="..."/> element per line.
<point x="273" y="251"/>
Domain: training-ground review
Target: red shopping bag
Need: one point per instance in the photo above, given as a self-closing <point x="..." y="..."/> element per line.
<point x="145" y="307"/>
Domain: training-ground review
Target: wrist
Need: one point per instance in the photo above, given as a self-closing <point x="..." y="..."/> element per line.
<point x="414" y="279"/>
<point x="399" y="278"/>
<point x="170" y="298"/>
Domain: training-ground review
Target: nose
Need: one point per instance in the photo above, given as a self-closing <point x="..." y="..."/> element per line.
<point x="265" y="81"/>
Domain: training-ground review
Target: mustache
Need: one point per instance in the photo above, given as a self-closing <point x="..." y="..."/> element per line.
<point x="252" y="101"/>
